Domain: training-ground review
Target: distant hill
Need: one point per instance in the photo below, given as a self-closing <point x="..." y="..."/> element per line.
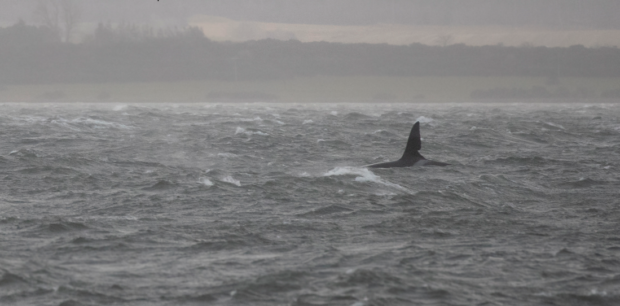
<point x="133" y="53"/>
<point x="224" y="29"/>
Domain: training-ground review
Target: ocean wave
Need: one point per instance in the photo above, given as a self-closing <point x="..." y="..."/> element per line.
<point x="110" y="215"/>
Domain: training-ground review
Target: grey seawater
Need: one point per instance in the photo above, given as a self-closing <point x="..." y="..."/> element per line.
<point x="269" y="204"/>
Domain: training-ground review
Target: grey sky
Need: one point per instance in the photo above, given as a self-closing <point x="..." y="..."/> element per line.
<point x="545" y="13"/>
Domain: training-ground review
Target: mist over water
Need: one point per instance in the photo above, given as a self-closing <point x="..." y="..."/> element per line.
<point x="269" y="204"/>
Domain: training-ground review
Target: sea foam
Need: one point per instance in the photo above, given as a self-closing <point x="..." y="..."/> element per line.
<point x="365" y="175"/>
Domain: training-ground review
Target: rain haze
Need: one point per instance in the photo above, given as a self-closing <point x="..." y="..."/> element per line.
<point x="246" y="152"/>
<point x="397" y="51"/>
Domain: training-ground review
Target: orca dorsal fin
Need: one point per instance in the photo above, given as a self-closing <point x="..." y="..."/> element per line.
<point x="414" y="144"/>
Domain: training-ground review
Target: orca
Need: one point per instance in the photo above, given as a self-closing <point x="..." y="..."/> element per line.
<point x="411" y="157"/>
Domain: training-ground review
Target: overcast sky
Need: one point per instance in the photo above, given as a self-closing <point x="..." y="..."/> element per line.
<point x="541" y="13"/>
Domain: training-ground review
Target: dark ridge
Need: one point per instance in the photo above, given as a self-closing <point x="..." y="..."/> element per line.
<point x="66" y="227"/>
<point x="161" y="185"/>
<point x="9" y="278"/>
<point x="327" y="210"/>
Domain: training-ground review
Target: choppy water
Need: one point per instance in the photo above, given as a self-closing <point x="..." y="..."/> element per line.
<point x="266" y="204"/>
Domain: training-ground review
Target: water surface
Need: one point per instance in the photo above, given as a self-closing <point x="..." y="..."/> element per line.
<point x="269" y="204"/>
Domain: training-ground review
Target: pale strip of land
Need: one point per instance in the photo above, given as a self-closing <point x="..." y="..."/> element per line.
<point x="308" y="89"/>
<point x="223" y="29"/>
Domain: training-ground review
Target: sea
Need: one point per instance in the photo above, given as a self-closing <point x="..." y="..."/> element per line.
<point x="271" y="204"/>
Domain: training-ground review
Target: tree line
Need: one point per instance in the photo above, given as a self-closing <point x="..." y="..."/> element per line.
<point x="130" y="53"/>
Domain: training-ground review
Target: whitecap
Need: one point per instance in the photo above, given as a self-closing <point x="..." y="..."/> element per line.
<point x="119" y="107"/>
<point x="334" y="113"/>
<point x="308" y="121"/>
<point x="205" y="181"/>
<point x="229" y="179"/>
